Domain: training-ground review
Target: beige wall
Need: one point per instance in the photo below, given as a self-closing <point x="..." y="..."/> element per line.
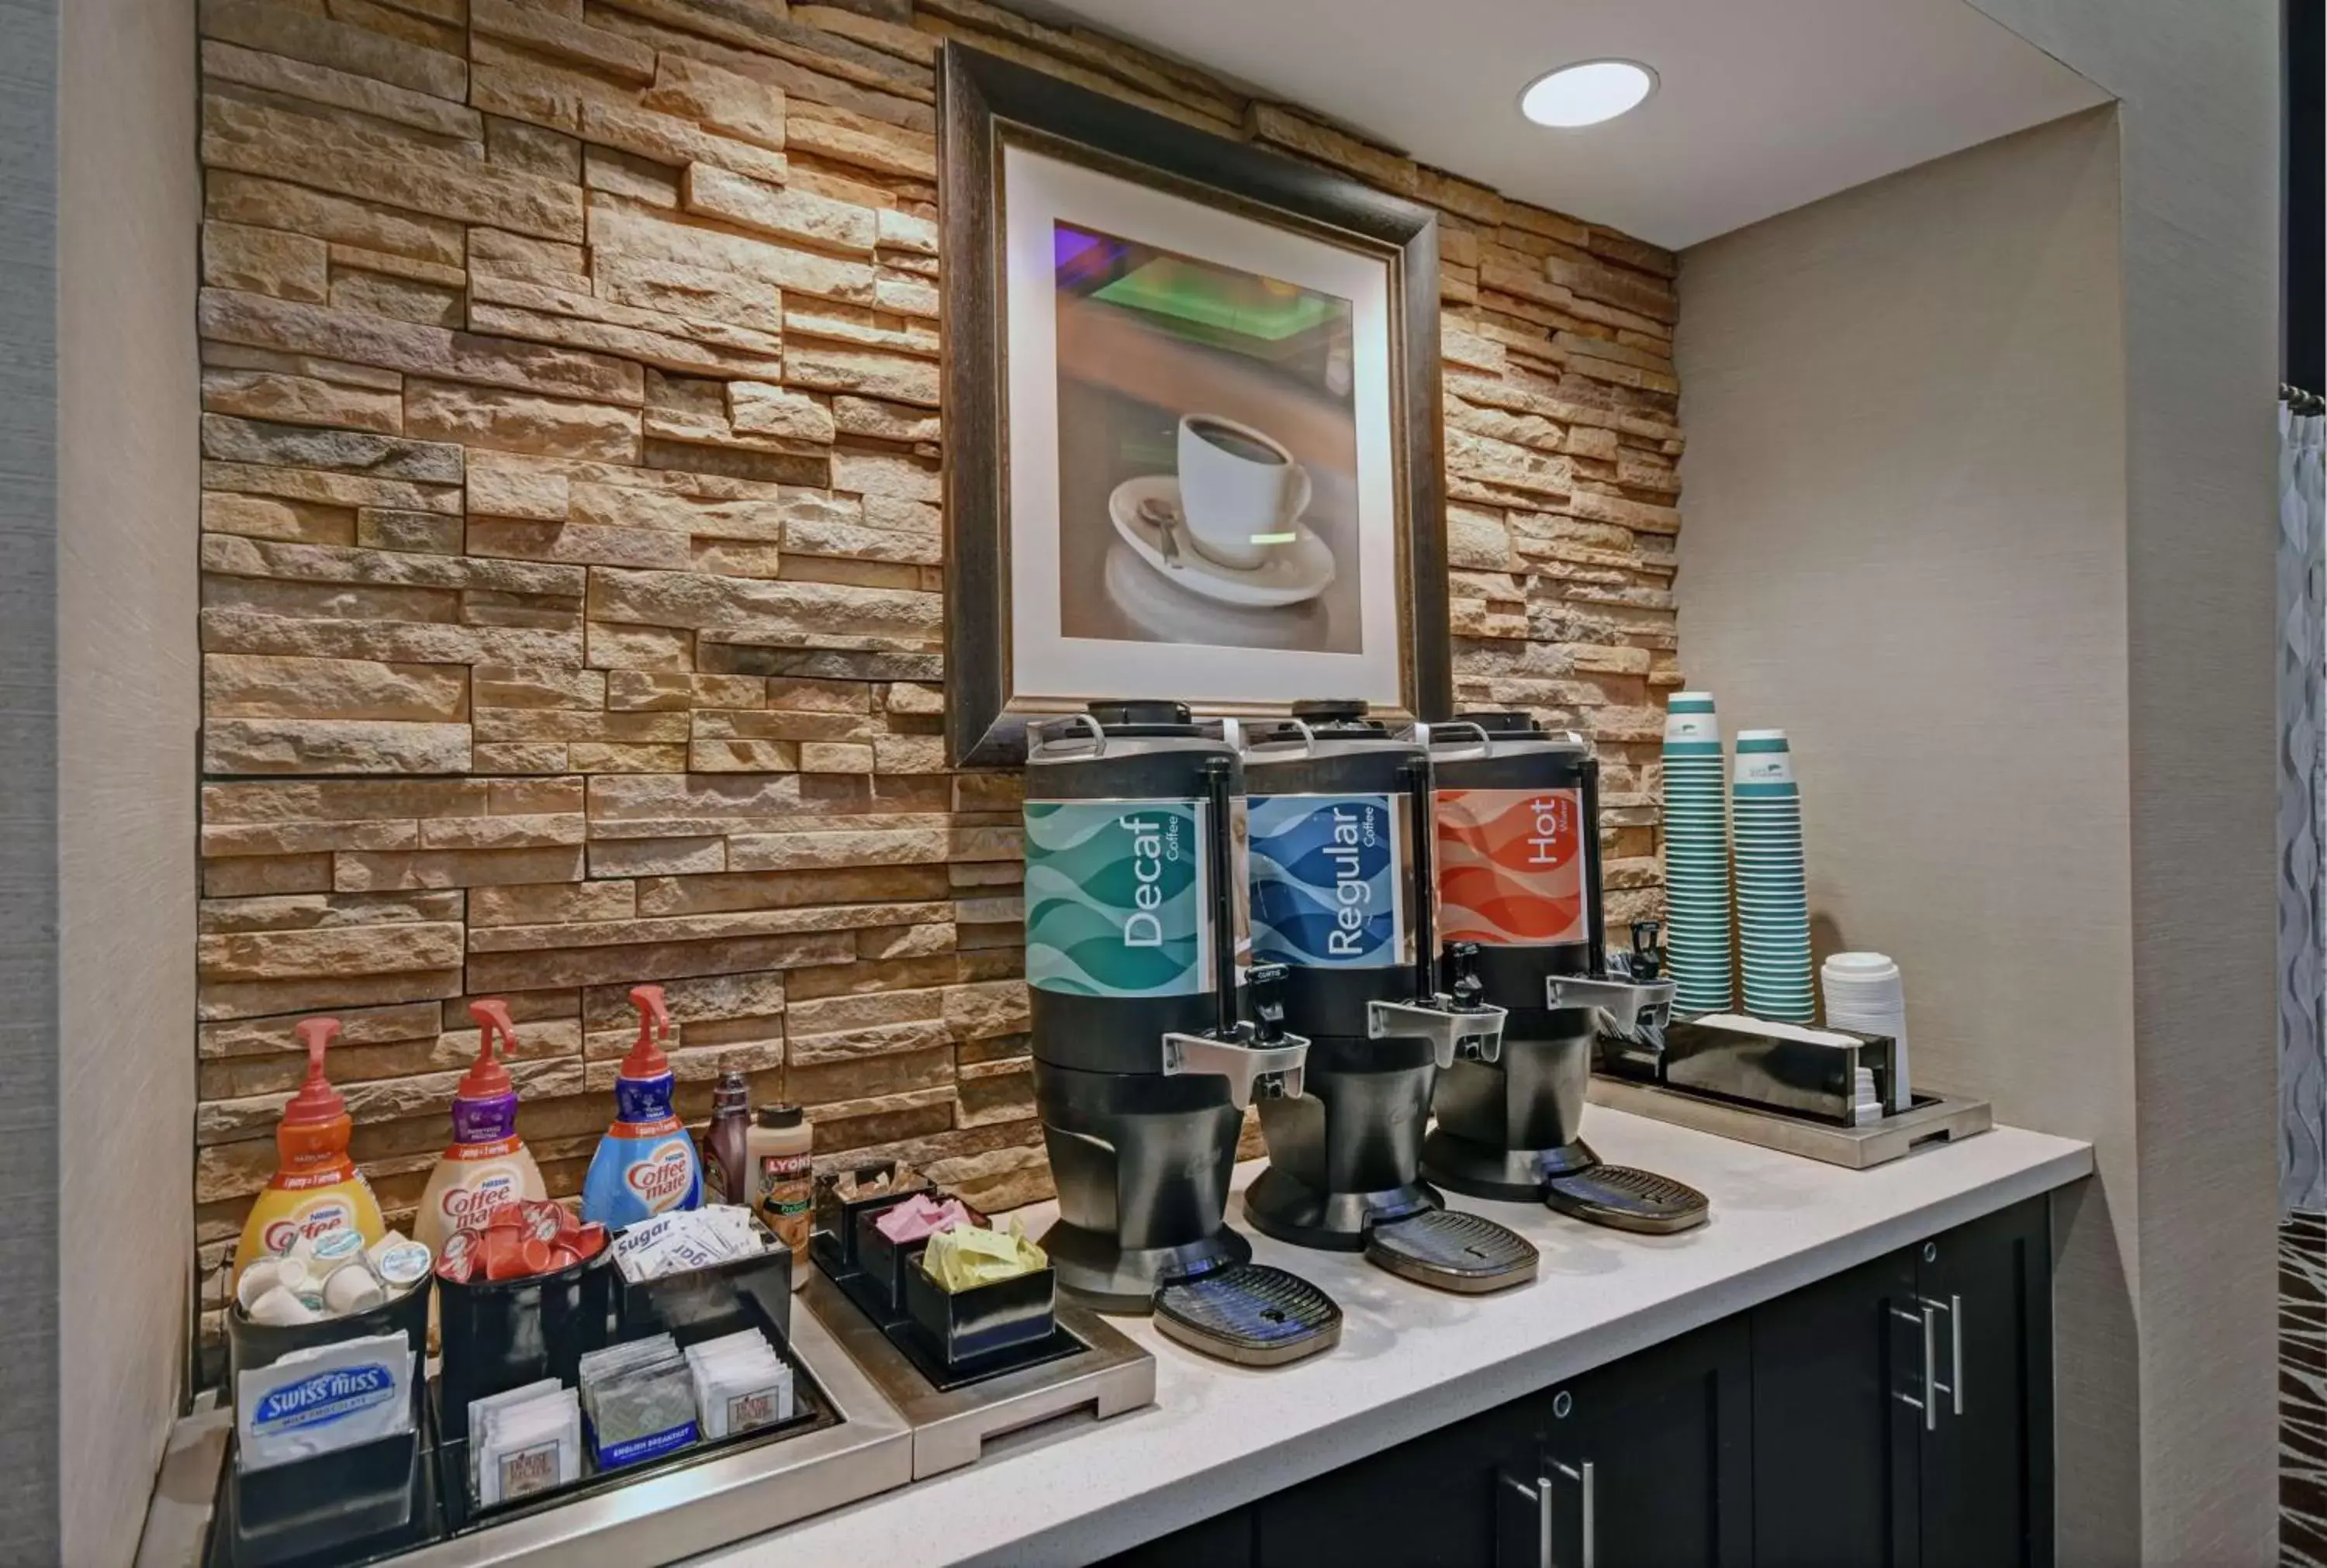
<point x="1907" y="548"/>
<point x="1916" y="542"/>
<point x="128" y="212"/>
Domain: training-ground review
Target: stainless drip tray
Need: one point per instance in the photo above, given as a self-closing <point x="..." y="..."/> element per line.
<point x="1086" y="1365"/>
<point x="1454" y="1250"/>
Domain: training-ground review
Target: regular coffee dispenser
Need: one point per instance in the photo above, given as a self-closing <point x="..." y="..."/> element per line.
<point x="1340" y="875"/>
<point x="1145" y="1060"/>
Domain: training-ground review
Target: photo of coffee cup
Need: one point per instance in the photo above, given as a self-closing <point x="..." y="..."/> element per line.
<point x="1241" y="493"/>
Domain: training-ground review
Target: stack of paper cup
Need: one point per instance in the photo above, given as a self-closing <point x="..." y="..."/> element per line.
<point x="1696" y="857"/>
<point x="1863" y="992"/>
<point x="1773" y="920"/>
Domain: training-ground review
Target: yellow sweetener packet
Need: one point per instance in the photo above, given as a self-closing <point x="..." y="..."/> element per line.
<point x="968" y="1256"/>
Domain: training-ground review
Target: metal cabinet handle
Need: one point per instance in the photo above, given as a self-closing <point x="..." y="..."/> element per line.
<point x="1955" y="1352"/>
<point x="1924" y="1405"/>
<point x="1582" y="1475"/>
<point x="1931" y="1404"/>
<point x="1539" y="1495"/>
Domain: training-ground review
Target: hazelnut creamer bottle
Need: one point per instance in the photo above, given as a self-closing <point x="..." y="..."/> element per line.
<point x="646" y="1163"/>
<point x="315" y="1187"/>
<point x="487" y="1164"/>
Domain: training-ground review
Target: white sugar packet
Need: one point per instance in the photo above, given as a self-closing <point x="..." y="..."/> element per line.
<point x="528" y="1446"/>
<point x="740" y="1383"/>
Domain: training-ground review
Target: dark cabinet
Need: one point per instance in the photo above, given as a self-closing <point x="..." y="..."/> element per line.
<point x="1987" y="1450"/>
<point x="1647" y="1463"/>
<point x="1895" y="1415"/>
<point x="1902" y="1410"/>
<point x="1428" y="1503"/>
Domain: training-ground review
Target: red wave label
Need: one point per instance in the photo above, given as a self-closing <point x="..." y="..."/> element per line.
<point x="1510" y="867"/>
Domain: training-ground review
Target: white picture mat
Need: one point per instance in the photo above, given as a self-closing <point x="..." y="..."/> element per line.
<point x="1040" y="191"/>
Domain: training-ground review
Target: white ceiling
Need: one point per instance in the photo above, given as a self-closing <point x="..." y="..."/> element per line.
<point x="1764" y="104"/>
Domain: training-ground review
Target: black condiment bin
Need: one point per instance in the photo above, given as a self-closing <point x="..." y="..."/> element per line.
<point x="705" y="1303"/>
<point x="884" y="1264"/>
<point x="252" y="1345"/>
<point x="835" y="1221"/>
<point x="499" y="1335"/>
<point x="963" y="1328"/>
<point x="335" y="1507"/>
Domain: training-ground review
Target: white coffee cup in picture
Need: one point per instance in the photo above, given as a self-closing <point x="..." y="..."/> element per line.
<point x="1241" y="491"/>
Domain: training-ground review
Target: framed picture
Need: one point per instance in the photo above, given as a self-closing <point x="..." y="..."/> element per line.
<point x="1193" y="433"/>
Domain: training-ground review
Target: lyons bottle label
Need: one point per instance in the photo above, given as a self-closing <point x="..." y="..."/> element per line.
<point x="1510" y="867"/>
<point x="1116" y="898"/>
<point x="1327" y="871"/>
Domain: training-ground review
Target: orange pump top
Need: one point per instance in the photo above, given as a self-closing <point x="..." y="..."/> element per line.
<point x="486" y="1078"/>
<point x="315" y="1124"/>
<point x="645" y="1059"/>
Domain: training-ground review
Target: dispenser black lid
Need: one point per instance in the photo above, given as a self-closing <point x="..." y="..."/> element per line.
<point x="1326" y="716"/>
<point x="1497" y="722"/>
<point x="1144" y="716"/>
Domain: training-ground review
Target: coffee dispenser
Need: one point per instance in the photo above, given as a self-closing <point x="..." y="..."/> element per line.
<point x="1339" y="815"/>
<point x="1516" y="838"/>
<point x="1143" y="1064"/>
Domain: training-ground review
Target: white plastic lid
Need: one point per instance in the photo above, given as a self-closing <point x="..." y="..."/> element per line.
<point x="1869" y="963"/>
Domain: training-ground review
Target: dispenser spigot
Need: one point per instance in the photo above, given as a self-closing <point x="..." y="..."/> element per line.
<point x="1264" y="989"/>
<point x="1469" y="990"/>
<point x="1647" y="953"/>
<point x="1258" y="1059"/>
<point x="1459" y="1026"/>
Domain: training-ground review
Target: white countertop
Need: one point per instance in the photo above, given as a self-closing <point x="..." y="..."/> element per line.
<point x="1412" y="1358"/>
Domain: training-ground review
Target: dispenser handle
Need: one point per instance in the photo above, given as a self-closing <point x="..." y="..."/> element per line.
<point x="1052" y="739"/>
<point x="316" y="1036"/>
<point x="1307" y="741"/>
<point x="1427" y="734"/>
<point x="1220" y="850"/>
<point x="1424" y="919"/>
<point x="1595" y="920"/>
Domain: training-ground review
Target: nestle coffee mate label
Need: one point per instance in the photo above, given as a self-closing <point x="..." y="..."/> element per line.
<point x="1116" y="898"/>
<point x="1510" y="867"/>
<point x="1326" y="872"/>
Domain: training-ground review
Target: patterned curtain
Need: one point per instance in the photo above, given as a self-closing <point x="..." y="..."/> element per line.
<point x="2302" y="808"/>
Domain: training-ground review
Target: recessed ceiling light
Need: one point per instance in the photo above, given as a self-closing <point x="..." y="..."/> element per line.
<point x="1586" y="93"/>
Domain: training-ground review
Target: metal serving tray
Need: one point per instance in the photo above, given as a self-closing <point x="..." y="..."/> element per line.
<point x="1106" y="1374"/>
<point x="659" y="1518"/>
<point x="1928" y="1120"/>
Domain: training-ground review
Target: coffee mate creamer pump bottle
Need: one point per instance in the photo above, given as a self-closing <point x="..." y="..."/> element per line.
<point x="646" y="1163"/>
<point x="315" y="1187"/>
<point x="487" y="1164"/>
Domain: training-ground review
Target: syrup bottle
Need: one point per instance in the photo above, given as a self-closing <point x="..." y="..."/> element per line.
<point x="645" y="1164"/>
<point x="316" y="1187"/>
<point x="487" y="1164"/>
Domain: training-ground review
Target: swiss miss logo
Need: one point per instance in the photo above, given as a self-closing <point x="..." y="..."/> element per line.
<point x="309" y="1220"/>
<point x="464" y="1207"/>
<point x="660" y="1180"/>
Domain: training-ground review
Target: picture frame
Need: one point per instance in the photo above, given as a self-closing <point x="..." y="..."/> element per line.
<point x="1114" y="403"/>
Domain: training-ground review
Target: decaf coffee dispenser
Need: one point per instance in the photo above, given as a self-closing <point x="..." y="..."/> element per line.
<point x="1341" y="872"/>
<point x="1135" y="912"/>
<point x="1517" y="846"/>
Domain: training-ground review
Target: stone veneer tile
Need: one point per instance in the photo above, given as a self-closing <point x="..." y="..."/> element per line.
<point x="571" y="418"/>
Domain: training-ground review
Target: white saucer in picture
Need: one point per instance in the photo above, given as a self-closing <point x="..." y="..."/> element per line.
<point x="1298" y="571"/>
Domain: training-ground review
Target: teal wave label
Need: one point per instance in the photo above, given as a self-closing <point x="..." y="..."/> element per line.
<point x="1116" y="898"/>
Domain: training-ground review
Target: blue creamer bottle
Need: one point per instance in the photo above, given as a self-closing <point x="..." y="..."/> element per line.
<point x="646" y="1163"/>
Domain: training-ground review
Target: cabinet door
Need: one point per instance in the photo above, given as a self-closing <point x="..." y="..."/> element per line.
<point x="1428" y="1503"/>
<point x="1987" y="1457"/>
<point x="1647" y="1464"/>
<point x="1836" y="1443"/>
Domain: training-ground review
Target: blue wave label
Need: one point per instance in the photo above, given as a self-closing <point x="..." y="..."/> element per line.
<point x="1327" y="873"/>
